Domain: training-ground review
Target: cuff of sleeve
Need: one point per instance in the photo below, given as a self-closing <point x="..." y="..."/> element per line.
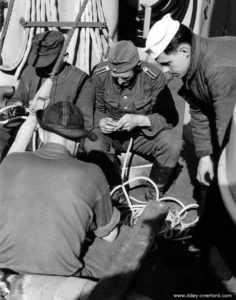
<point x="148" y="131"/>
<point x="106" y="229"/>
<point x="201" y="153"/>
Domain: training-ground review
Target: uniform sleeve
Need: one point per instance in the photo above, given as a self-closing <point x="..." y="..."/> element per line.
<point x="100" y="110"/>
<point x="106" y="217"/>
<point x="86" y="102"/>
<point x="200" y="123"/>
<point x="164" y="114"/>
<point x="221" y="84"/>
<point x="201" y="131"/>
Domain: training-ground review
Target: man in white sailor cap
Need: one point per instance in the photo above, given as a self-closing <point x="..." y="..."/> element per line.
<point x="207" y="67"/>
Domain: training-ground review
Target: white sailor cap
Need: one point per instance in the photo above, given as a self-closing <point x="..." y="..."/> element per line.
<point x="160" y="35"/>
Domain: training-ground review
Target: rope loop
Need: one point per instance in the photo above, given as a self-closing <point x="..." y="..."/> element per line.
<point x="175" y="227"/>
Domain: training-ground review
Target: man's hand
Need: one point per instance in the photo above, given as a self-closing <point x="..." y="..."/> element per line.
<point x="107" y="125"/>
<point x="130" y="121"/>
<point x="38" y="103"/>
<point x="18" y="110"/>
<point x="205" y="167"/>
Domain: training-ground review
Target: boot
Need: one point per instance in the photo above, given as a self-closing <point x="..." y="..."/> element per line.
<point x="161" y="175"/>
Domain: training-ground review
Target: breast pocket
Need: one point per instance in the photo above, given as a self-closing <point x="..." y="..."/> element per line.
<point x="144" y="106"/>
<point x="111" y="105"/>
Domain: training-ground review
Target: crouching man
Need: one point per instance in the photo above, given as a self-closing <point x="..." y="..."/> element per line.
<point x="132" y="99"/>
<point x="53" y="201"/>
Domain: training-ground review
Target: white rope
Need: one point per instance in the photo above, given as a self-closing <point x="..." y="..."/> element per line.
<point x="174" y="228"/>
<point x="127" y="155"/>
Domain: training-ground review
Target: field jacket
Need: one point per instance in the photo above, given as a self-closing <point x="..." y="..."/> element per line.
<point x="210" y="89"/>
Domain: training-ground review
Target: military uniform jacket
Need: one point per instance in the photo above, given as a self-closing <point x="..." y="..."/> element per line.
<point x="210" y="89"/>
<point x="147" y="94"/>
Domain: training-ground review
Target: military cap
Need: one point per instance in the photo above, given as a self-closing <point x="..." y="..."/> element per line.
<point x="46" y="47"/>
<point x="123" y="56"/>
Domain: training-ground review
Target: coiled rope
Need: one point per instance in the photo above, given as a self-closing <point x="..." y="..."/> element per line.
<point x="175" y="228"/>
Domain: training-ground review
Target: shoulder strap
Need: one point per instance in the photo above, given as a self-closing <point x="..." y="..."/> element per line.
<point x="101" y="70"/>
<point x="149" y="72"/>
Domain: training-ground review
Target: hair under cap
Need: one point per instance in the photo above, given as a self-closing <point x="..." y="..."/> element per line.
<point x="160" y="35"/>
<point x="123" y="56"/>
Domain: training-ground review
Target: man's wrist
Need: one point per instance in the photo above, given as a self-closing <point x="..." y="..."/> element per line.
<point x="143" y="121"/>
<point x="205" y="158"/>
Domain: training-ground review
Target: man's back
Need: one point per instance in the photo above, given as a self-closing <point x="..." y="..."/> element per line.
<point x="47" y="203"/>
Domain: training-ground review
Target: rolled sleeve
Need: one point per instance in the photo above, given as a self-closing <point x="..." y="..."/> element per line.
<point x="106" y="217"/>
<point x="106" y="229"/>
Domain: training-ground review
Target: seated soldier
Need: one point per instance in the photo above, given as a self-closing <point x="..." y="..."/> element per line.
<point x="132" y="99"/>
<point x="53" y="201"/>
<point x="70" y="83"/>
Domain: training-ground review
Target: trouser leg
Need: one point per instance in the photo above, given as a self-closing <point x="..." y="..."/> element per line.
<point x="165" y="150"/>
<point x="161" y="176"/>
<point x="102" y="153"/>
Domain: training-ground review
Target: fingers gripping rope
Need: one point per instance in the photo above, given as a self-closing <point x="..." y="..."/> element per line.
<point x="174" y="227"/>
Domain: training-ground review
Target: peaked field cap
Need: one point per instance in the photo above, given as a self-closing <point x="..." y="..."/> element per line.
<point x="123" y="56"/>
<point x="46" y="47"/>
<point x="65" y="119"/>
<point x="160" y="35"/>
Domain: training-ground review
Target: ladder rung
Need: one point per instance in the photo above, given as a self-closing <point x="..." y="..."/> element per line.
<point x="61" y="24"/>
